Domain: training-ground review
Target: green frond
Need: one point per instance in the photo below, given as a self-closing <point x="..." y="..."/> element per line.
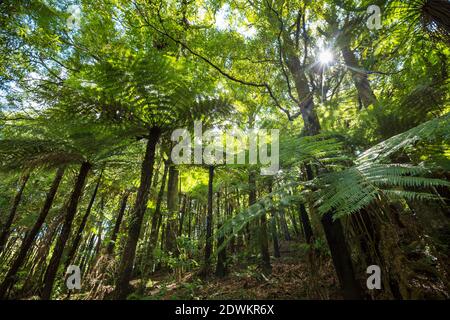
<point x="437" y="129"/>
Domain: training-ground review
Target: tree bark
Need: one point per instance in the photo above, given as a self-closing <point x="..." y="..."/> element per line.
<point x="121" y="212"/>
<point x="82" y="225"/>
<point x="134" y="228"/>
<point x="263" y="239"/>
<point x="12" y="213"/>
<point x="209" y="218"/>
<point x="222" y="252"/>
<point x="276" y="246"/>
<point x="87" y="254"/>
<point x="156" y="219"/>
<point x="306" y="224"/>
<point x="333" y="229"/>
<point x="183" y="214"/>
<point x="284" y="226"/>
<point x="172" y="208"/>
<point x="71" y="209"/>
<point x="294" y="223"/>
<point x="351" y="288"/>
<point x="360" y="79"/>
<point x="25" y="247"/>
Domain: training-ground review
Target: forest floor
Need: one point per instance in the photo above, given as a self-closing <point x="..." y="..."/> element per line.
<point x="290" y="279"/>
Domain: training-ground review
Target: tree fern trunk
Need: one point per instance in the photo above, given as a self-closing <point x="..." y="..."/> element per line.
<point x="172" y="207"/>
<point x="79" y="233"/>
<point x="183" y="214"/>
<point x="334" y="233"/>
<point x="306" y="224"/>
<point x="263" y="240"/>
<point x="71" y="209"/>
<point x="115" y="232"/>
<point x="360" y="79"/>
<point x="284" y="226"/>
<point x="134" y="228"/>
<point x="156" y="219"/>
<point x="209" y="218"/>
<point x="273" y="226"/>
<point x="222" y="254"/>
<point x="12" y="213"/>
<point x="27" y="243"/>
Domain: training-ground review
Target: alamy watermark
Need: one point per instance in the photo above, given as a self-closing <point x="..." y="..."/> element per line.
<point x="73" y="280"/>
<point x="73" y="21"/>
<point x="374" y="20"/>
<point x="374" y="280"/>
<point x="227" y="147"/>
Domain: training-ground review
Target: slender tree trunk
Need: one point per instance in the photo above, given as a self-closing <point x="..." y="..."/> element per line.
<point x="263" y="239"/>
<point x="306" y="224"/>
<point x="25" y="247"/>
<point x="209" y="218"/>
<point x="71" y="209"/>
<point x="12" y="213"/>
<point x="189" y="218"/>
<point x="222" y="252"/>
<point x="351" y="288"/>
<point x="87" y="254"/>
<point x="333" y="229"/>
<point x="360" y="79"/>
<point x="42" y="252"/>
<point x="273" y="225"/>
<point x="157" y="218"/>
<point x="121" y="212"/>
<point x="284" y="226"/>
<point x="183" y="214"/>
<point x="82" y="225"/>
<point x="294" y="223"/>
<point x="99" y="238"/>
<point x="134" y="228"/>
<point x="172" y="208"/>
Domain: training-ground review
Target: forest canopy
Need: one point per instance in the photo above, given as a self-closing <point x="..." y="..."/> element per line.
<point x="230" y="149"/>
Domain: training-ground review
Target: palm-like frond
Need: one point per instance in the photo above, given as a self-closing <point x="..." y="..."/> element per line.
<point x="435" y="130"/>
<point x="374" y="176"/>
<point x="351" y="190"/>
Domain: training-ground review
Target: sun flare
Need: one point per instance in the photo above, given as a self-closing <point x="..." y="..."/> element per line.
<point x="325" y="57"/>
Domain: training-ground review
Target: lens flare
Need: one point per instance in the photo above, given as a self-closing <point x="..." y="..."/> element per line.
<point x="325" y="57"/>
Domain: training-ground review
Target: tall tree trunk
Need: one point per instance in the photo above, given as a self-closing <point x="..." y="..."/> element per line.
<point x="222" y="252"/>
<point x="115" y="232"/>
<point x="284" y="226"/>
<point x="25" y="247"/>
<point x="12" y="213"/>
<point x="156" y="219"/>
<point x="71" y="209"/>
<point x="333" y="229"/>
<point x="134" y="228"/>
<point x="87" y="254"/>
<point x="360" y="79"/>
<point x="209" y="218"/>
<point x="98" y="245"/>
<point x="43" y="250"/>
<point x="79" y="233"/>
<point x="263" y="239"/>
<point x="351" y="288"/>
<point x="172" y="208"/>
<point x="264" y="242"/>
<point x="306" y="224"/>
<point x="273" y="226"/>
<point x="294" y="223"/>
<point x="189" y="218"/>
<point x="183" y="214"/>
